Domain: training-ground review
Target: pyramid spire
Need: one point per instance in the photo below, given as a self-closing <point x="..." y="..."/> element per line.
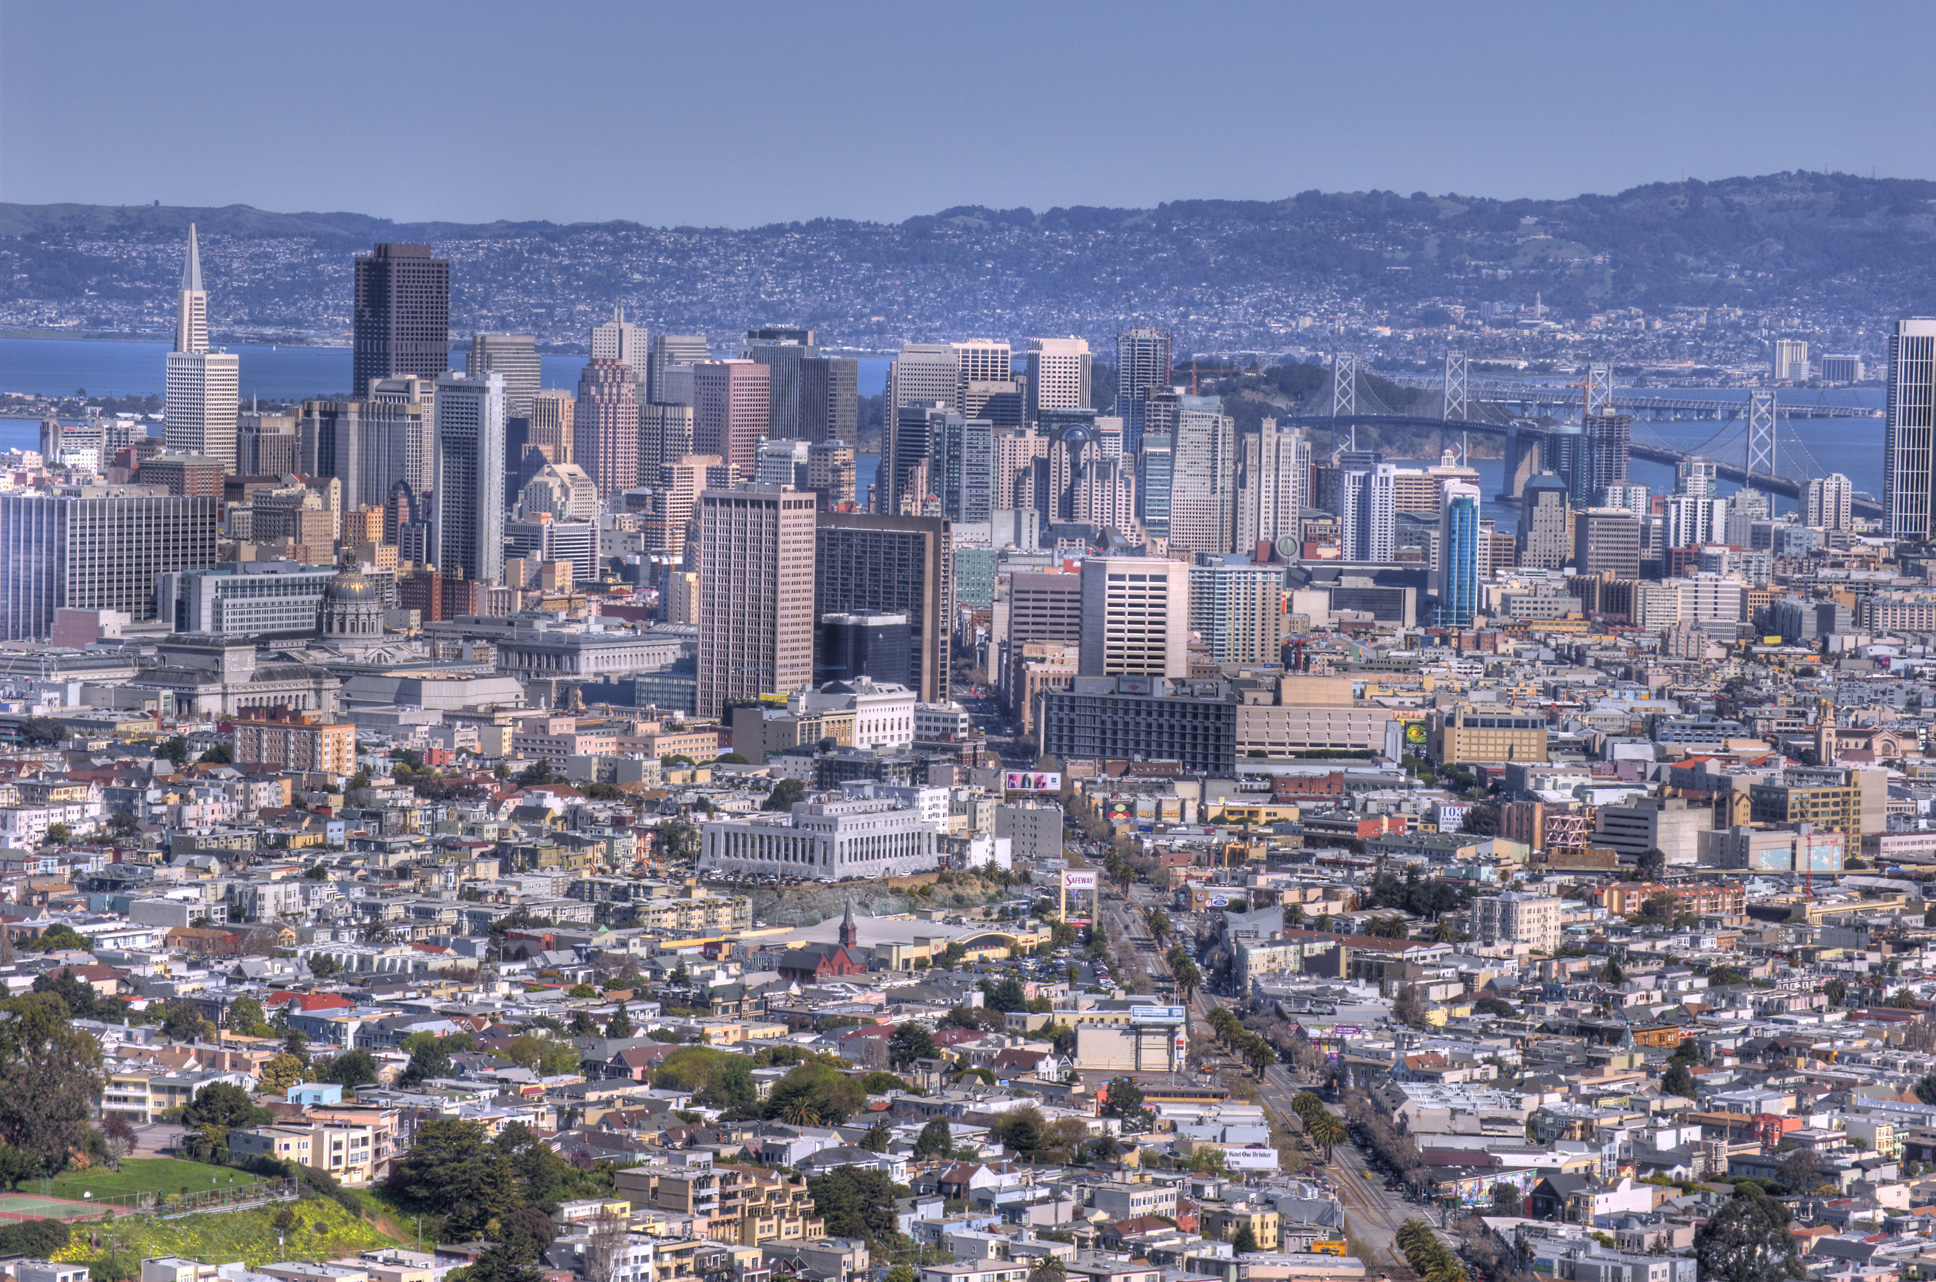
<point x="192" y="265"/>
<point x="849" y="932"/>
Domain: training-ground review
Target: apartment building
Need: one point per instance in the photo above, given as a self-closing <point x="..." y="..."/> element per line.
<point x="1517" y="917"/>
<point x="282" y="739"/>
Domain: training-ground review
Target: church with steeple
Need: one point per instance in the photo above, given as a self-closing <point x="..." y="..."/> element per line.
<point x="817" y="962"/>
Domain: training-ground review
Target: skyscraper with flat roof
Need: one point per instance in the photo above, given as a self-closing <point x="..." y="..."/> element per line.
<point x="1606" y="540"/>
<point x="1368" y="509"/>
<point x="401" y="320"/>
<point x="516" y="357"/>
<point x="730" y="410"/>
<point x="1909" y="429"/>
<point x="203" y="388"/>
<point x="605" y="427"/>
<point x="1058" y="375"/>
<point x="665" y="351"/>
<point x="899" y="564"/>
<point x="623" y="341"/>
<point x="1135" y="617"/>
<point x="1142" y="366"/>
<point x="756" y="594"/>
<point x="1456" y="575"/>
<point x="979" y="360"/>
<point x="1202" y="491"/>
<point x="1273" y="484"/>
<point x="468" y="524"/>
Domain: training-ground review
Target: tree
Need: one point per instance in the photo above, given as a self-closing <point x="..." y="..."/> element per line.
<point x="56" y="833"/>
<point x="784" y="794"/>
<point x="1020" y="1130"/>
<point x="246" y="1017"/>
<point x="910" y="1042"/>
<point x="40" y="732"/>
<point x="1747" y="1240"/>
<point x="50" y="1080"/>
<point x="1125" y="1100"/>
<point x="1496" y="1006"/>
<point x="1007" y="995"/>
<point x="1611" y="973"/>
<point x="855" y="1203"/>
<point x="350" y="1069"/>
<point x="605" y="1247"/>
<point x="1244" y="1240"/>
<point x="620" y="1024"/>
<point x="1835" y="990"/>
<point x="1650" y="863"/>
<point x="1677" y="1081"/>
<point x="221" y="755"/>
<point x="182" y="1022"/>
<point x="454" y="1169"/>
<point x="223" y="1105"/>
<point x="501" y="1264"/>
<point x="730" y="1085"/>
<point x="1409" y="1007"/>
<point x="1506" y="1200"/>
<point x="877" y="1137"/>
<point x="935" y="1140"/>
<point x="1159" y="925"/>
<point x="817" y="1090"/>
<point x="429" y="1058"/>
<point x="1800" y="1169"/>
<point x="280" y="1073"/>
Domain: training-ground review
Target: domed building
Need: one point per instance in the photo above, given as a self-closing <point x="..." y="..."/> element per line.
<point x="352" y="611"/>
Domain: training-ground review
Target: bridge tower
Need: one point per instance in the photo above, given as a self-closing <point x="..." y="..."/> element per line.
<point x="1344" y="393"/>
<point x="1599" y="389"/>
<point x="1455" y="399"/>
<point x="1761" y="433"/>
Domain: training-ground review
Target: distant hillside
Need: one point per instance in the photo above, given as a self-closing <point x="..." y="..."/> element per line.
<point x="1835" y="249"/>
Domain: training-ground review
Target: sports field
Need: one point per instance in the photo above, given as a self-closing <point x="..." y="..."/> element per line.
<point x="29" y="1206"/>
<point x="158" y="1175"/>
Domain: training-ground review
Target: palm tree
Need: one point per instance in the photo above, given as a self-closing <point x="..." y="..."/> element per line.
<point x="1328" y="1131"/>
<point x="801" y="1112"/>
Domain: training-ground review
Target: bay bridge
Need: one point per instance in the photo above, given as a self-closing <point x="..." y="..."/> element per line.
<point x="1522" y="413"/>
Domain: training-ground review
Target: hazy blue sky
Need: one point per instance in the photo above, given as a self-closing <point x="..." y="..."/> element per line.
<point x="753" y="112"/>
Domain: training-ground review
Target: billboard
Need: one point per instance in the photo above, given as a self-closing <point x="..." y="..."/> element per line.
<point x="1118" y="812"/>
<point x="1079" y="879"/>
<point x="1031" y="781"/>
<point x="1415" y="733"/>
<point x="1156" y="1014"/>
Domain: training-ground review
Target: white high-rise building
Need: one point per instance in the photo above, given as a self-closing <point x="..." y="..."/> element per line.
<point x="467" y="526"/>
<point x="1692" y="521"/>
<point x="1368" y="512"/>
<point x="1203" y="484"/>
<point x="1694" y="477"/>
<point x="1058" y="375"/>
<point x="1828" y="502"/>
<point x="203" y="388"/>
<point x="1909" y="428"/>
<point x="1788" y="360"/>
<point x="1273" y="476"/>
<point x="979" y="360"/>
<point x="516" y="357"/>
<point x="1135" y="617"/>
<point x="619" y="339"/>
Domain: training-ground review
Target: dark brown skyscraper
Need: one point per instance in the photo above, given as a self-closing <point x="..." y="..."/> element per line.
<point x="899" y="564"/>
<point x="402" y="316"/>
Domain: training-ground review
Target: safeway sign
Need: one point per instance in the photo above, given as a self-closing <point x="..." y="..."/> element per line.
<point x="1079" y="879"/>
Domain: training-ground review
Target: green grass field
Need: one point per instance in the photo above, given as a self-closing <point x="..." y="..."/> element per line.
<point x="143" y="1175"/>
